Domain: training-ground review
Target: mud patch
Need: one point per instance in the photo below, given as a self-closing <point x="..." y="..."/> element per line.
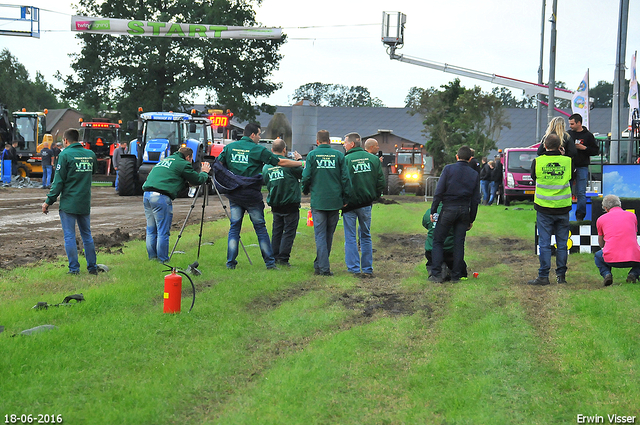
<point x="401" y="248"/>
<point x="387" y="303"/>
<point x="115" y="239"/>
<point x="386" y="201"/>
<point x="274" y="300"/>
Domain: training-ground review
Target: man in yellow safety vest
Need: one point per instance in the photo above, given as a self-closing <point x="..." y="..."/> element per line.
<point x="552" y="173"/>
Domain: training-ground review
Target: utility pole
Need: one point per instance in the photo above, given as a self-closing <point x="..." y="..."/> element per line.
<point x="552" y="63"/>
<point x="539" y="95"/>
<point x="618" y="81"/>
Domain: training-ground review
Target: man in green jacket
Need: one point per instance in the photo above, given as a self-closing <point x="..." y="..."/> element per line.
<point x="284" y="196"/>
<point x="164" y="182"/>
<point x="325" y="176"/>
<point x="247" y="158"/>
<point x="367" y="184"/>
<point x="72" y="183"/>
<point x="447" y="247"/>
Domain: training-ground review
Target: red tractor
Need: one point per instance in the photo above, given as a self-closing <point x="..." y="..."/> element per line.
<point x="102" y="137"/>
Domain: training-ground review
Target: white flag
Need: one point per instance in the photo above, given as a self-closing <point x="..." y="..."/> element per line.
<point x="633" y="89"/>
<point x="580" y="100"/>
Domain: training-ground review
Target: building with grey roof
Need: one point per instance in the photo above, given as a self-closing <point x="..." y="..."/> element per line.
<point x="368" y="122"/>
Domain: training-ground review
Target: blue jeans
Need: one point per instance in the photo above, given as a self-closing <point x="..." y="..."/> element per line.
<point x="548" y="225"/>
<point x="494" y="189"/>
<point x="283" y="234"/>
<point x="355" y="264"/>
<point x="485" y="185"/>
<point x="158" y="209"/>
<point x="46" y="175"/>
<point x="256" y="214"/>
<point x="458" y="218"/>
<point x="582" y="175"/>
<point x="68" y="222"/>
<point x="324" y="226"/>
<point x="605" y="268"/>
<point x="117" y="180"/>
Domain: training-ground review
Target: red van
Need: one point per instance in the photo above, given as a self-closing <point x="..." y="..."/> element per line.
<point x="517" y="181"/>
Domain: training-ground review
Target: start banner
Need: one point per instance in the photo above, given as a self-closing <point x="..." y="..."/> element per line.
<point x="94" y="25"/>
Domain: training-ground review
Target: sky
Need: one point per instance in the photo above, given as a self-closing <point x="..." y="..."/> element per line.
<point x="621" y="180"/>
<point x="338" y="42"/>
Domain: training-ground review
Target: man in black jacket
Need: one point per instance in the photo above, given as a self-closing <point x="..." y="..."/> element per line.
<point x="496" y="179"/>
<point x="458" y="191"/>
<point x="586" y="146"/>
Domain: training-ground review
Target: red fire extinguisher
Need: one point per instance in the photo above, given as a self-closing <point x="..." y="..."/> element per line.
<point x="172" y="292"/>
<point x="309" y="219"/>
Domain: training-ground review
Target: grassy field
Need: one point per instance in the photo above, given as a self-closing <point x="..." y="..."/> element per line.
<point x="287" y="347"/>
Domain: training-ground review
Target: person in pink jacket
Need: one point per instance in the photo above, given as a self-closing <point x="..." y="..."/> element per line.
<point x="617" y="237"/>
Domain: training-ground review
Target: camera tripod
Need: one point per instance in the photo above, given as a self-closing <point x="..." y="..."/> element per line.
<point x="205" y="187"/>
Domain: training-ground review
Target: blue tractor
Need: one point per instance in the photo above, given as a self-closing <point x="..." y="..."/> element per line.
<point x="160" y="134"/>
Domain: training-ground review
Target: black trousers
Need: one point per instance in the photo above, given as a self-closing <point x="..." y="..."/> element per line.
<point x="448" y="260"/>
<point x="456" y="217"/>
<point x="283" y="233"/>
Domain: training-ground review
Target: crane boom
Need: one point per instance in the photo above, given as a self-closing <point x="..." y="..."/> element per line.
<point x="393" y="37"/>
<point x="531" y="89"/>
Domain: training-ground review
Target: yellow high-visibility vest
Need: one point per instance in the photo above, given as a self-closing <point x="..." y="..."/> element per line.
<point x="553" y="189"/>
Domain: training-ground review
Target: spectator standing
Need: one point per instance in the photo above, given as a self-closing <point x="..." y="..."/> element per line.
<point x="47" y="157"/>
<point x="165" y="180"/>
<point x="72" y="184"/>
<point x="57" y="148"/>
<point x="586" y="146"/>
<point x="371" y="146"/>
<point x="117" y="154"/>
<point x="552" y="173"/>
<point x="496" y="179"/>
<point x="246" y="157"/>
<point x="485" y="181"/>
<point x="283" y="185"/>
<point x="567" y="146"/>
<point x="7" y="156"/>
<point x="458" y="191"/>
<point x="617" y="237"/>
<point x="367" y="184"/>
<point x="473" y="162"/>
<point x="14" y="156"/>
<point x="325" y="176"/>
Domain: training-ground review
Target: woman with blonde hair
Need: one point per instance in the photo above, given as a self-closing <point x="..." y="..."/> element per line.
<point x="557" y="126"/>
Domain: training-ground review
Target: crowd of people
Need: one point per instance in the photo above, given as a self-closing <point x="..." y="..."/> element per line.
<point x="350" y="183"/>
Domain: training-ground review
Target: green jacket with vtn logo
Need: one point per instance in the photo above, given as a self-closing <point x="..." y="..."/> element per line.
<point x="325" y="176"/>
<point x="367" y="179"/>
<point x="72" y="181"/>
<point x="170" y="175"/>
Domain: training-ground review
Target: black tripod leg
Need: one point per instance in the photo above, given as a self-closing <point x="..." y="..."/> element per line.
<point x="193" y="204"/>
<point x="204" y="203"/>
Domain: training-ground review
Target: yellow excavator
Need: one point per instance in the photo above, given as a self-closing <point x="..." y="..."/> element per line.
<point x="29" y="131"/>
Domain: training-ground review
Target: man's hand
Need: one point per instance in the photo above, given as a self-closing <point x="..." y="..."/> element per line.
<point x="206" y="167"/>
<point x="470" y="226"/>
<point x="297" y="156"/>
<point x="580" y="147"/>
<point x="431" y="217"/>
<point x="45" y="208"/>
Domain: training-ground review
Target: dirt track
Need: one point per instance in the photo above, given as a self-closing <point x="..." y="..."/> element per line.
<point x="27" y="235"/>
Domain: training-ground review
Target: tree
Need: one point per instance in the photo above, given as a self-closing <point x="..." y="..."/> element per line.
<point x="158" y="73"/>
<point x="17" y="91"/>
<point x="456" y="116"/>
<point x="336" y="95"/>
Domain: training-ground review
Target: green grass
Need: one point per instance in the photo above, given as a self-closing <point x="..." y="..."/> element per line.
<point x="292" y="348"/>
